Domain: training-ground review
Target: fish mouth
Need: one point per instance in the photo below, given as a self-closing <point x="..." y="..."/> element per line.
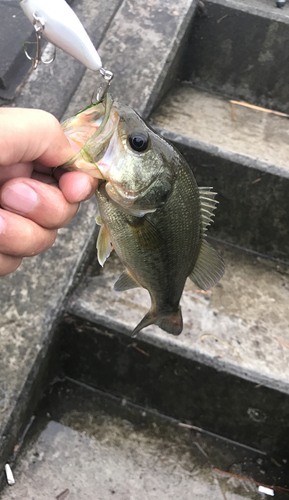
<point x="119" y="203"/>
<point x="124" y="194"/>
<point x="91" y="129"/>
<point x="127" y="201"/>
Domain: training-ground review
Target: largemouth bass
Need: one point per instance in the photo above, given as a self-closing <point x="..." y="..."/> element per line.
<point x="150" y="209"/>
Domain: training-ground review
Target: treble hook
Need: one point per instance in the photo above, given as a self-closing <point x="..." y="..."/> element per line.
<point x="39" y="26"/>
<point x="108" y="76"/>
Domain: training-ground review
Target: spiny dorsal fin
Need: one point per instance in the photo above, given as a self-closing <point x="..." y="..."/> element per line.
<point x="125" y="282"/>
<point x="209" y="267"/>
<point x="103" y="245"/>
<point x="208" y="205"/>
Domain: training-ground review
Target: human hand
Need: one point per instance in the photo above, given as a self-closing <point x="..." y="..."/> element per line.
<point x="35" y="200"/>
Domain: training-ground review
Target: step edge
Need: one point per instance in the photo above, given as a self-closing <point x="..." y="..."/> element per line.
<point x="244" y="160"/>
<point x="81" y="309"/>
<point x="278" y="16"/>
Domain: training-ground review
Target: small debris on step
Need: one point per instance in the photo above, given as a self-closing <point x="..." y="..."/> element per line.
<point x="265" y="486"/>
<point x="267" y="491"/>
<point x="135" y="346"/>
<point x="257" y="108"/>
<point x="221" y="18"/>
<point x="209" y="335"/>
<point x="9" y="475"/>
<point x="282" y="342"/>
<point x="63" y="495"/>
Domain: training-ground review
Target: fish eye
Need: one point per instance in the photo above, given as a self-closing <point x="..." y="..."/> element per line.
<point x="138" y="141"/>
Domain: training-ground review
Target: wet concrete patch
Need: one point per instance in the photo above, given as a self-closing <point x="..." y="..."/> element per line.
<point x="86" y="445"/>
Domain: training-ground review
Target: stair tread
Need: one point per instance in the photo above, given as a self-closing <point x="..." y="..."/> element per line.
<point x="237" y="327"/>
<point x="264" y="8"/>
<point x="208" y="118"/>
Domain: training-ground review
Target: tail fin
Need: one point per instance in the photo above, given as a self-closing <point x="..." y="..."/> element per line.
<point x="171" y="322"/>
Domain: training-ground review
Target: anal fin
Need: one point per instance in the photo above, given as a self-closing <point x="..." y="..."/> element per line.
<point x="209" y="267"/>
<point x="125" y="282"/>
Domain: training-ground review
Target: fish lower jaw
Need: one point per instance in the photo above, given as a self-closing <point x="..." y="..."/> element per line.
<point x="126" y="202"/>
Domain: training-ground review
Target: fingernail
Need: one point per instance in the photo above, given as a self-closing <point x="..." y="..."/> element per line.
<point x="84" y="187"/>
<point x="19" y="198"/>
<point x="2" y="225"/>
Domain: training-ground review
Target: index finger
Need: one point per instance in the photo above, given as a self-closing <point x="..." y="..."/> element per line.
<point x="32" y="134"/>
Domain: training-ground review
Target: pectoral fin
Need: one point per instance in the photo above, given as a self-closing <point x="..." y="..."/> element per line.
<point x="125" y="282"/>
<point x="103" y="245"/>
<point x="146" y="234"/>
<point x="209" y="267"/>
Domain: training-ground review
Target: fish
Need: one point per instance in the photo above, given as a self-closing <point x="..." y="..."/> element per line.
<point x="151" y="210"/>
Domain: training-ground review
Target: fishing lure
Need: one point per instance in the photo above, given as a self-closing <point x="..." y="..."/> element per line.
<point x="58" y="23"/>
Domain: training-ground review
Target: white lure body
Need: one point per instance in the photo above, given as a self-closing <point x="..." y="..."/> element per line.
<point x="63" y="29"/>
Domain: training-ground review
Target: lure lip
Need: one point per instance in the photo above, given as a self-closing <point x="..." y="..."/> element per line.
<point x="63" y="29"/>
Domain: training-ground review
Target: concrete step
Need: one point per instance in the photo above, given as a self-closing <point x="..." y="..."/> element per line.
<point x="236" y="332"/>
<point x="243" y="153"/>
<point x="239" y="49"/>
<point x="125" y="451"/>
<point x="15" y="29"/>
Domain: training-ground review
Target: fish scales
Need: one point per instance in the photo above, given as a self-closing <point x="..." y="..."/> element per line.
<point x="150" y="209"/>
<point x="178" y="228"/>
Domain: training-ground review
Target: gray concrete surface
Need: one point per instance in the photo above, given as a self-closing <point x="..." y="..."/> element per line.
<point x="15" y="29"/>
<point x="264" y="8"/>
<point x="238" y="326"/>
<point x="238" y="49"/>
<point x="96" y="449"/>
<point x="120" y="464"/>
<point x="233" y="128"/>
<point x="33" y="300"/>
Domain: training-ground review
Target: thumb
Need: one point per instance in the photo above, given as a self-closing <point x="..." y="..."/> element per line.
<point x="32" y="134"/>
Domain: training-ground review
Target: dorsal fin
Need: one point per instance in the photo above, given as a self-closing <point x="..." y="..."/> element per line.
<point x="209" y="267"/>
<point x="208" y="205"/>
